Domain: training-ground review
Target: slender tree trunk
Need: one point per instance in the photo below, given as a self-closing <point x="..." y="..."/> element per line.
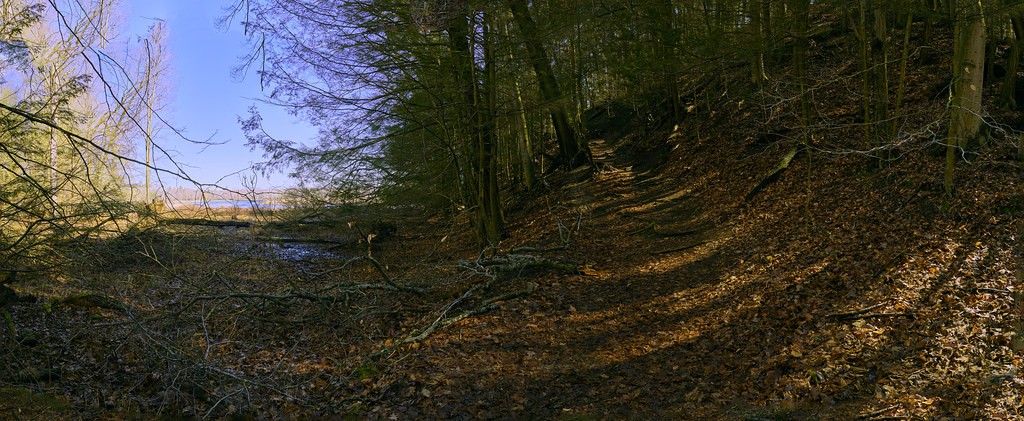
<point x="930" y="8"/>
<point x="901" y="84"/>
<point x="149" y="120"/>
<point x="490" y="212"/>
<point x="54" y="163"/>
<point x="861" y="30"/>
<point x="525" y="146"/>
<point x="758" y="32"/>
<point x="969" y="72"/>
<point x="800" y="10"/>
<point x="570" y="151"/>
<point x="668" y="44"/>
<point x="880" y="79"/>
<point x="462" y="61"/>
<point x="1008" y="94"/>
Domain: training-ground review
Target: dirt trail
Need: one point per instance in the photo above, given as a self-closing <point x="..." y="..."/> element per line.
<point x="697" y="305"/>
<point x="624" y="340"/>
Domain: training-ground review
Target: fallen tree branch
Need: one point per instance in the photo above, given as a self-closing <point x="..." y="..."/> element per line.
<point x="530" y="249"/>
<point x="673" y="250"/>
<point x="380" y="269"/>
<point x="318" y="295"/>
<point x="854" y="312"/>
<point x="206" y="222"/>
<point x="986" y="290"/>
<point x="564" y="234"/>
<point x="516" y="262"/>
<point x="484" y="307"/>
<point x="865" y="313"/>
<point x="876" y="413"/>
<point x="879" y="315"/>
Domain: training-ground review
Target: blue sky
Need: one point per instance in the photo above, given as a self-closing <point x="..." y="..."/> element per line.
<point x="206" y="100"/>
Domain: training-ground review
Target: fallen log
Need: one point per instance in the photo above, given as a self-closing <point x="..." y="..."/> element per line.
<point x="774" y="174"/>
<point x="206" y="222"/>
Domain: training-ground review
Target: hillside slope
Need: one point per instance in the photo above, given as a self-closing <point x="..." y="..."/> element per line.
<point x="848" y="287"/>
<point x="844" y="289"/>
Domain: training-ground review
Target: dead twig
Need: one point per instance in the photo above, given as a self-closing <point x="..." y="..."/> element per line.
<point x="564" y="234"/>
<point x="854" y="312"/>
<point x="986" y="290"/>
<point x="878" y="316"/>
<point x="874" y="414"/>
<point x="380" y="269"/>
<point x="441" y="323"/>
<point x="866" y="313"/>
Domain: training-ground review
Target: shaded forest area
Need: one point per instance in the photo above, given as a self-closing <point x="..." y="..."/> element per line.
<point x="558" y="210"/>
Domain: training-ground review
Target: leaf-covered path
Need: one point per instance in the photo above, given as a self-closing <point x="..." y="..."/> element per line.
<point x="695" y="305"/>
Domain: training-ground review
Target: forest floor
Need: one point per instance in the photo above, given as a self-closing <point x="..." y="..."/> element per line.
<point x="870" y="299"/>
<point x="843" y="290"/>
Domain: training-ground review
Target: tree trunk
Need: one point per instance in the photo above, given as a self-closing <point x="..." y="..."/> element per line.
<point x="569" y="150"/>
<point x="901" y="83"/>
<point x="880" y="79"/>
<point x="1008" y="95"/>
<point x="969" y="67"/>
<point x="800" y="10"/>
<point x="758" y="29"/>
<point x="489" y="212"/>
<point x="861" y="30"/>
<point x="525" y="146"/>
<point x="668" y="44"/>
<point x="462" y="61"/>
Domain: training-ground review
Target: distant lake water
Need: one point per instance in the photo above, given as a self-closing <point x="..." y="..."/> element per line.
<point x="241" y="204"/>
